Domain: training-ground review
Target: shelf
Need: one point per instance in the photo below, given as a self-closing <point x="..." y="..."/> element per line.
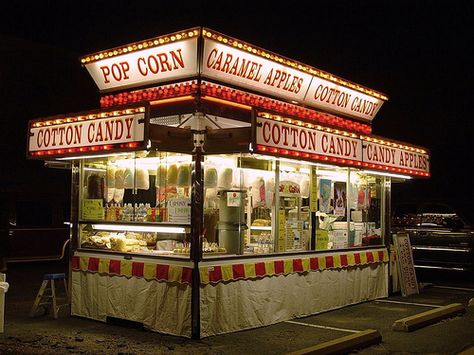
<point x="261" y="228"/>
<point x="131" y="226"/>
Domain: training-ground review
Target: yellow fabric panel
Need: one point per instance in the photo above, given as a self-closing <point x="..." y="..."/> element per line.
<point x="126" y="268"/>
<point x="83" y="263"/>
<point x="288" y="266"/>
<point x="174" y="273"/>
<point x="306" y="264"/>
<point x="322" y="262"/>
<point x="149" y="271"/>
<point x="104" y="266"/>
<point x="269" y="268"/>
<point x="204" y="275"/>
<point x="227" y="273"/>
<point x="249" y="270"/>
<point x="351" y="259"/>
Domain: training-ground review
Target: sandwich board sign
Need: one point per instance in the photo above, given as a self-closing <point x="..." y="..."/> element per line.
<point x="406" y="268"/>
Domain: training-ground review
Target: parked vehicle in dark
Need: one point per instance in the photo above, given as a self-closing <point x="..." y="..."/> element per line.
<point x="32" y="230"/>
<point x="441" y="239"/>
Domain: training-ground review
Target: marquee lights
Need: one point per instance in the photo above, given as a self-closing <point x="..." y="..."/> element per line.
<point x="394" y="145"/>
<point x="92" y="149"/>
<point x="150" y="94"/>
<point x="288" y="62"/>
<point x="305" y="124"/>
<point x="328" y="159"/>
<point x="136" y="46"/>
<point x="336" y="131"/>
<point x="230" y="96"/>
<point x="194" y="32"/>
<point x="58" y="121"/>
<point x="253" y="100"/>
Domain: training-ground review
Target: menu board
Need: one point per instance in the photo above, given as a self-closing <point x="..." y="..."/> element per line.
<point x="406" y="268"/>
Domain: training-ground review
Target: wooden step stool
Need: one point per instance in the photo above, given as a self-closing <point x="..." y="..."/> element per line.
<point x="46" y="296"/>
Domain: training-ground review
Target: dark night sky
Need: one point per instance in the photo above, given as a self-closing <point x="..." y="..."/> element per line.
<point x="418" y="53"/>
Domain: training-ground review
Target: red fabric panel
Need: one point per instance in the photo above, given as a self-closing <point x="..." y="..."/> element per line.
<point x="344" y="261"/>
<point x="137" y="269"/>
<point x="238" y="271"/>
<point x="114" y="267"/>
<point x="314" y="264"/>
<point x="75" y="263"/>
<point x="187" y="275"/>
<point x="216" y="274"/>
<point x="260" y="269"/>
<point x="93" y="264"/>
<point x="279" y="268"/>
<point x="357" y="258"/>
<point x="297" y="265"/>
<point x="162" y="272"/>
<point x="370" y="257"/>
<point x="329" y="261"/>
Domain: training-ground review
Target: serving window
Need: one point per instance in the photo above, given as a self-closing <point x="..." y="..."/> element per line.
<point x="260" y="204"/>
<point x="136" y="203"/>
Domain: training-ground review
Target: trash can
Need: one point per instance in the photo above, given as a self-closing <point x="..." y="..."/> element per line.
<point x="3" y="289"/>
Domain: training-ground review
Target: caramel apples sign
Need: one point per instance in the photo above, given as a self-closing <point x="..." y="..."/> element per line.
<point x="228" y="64"/>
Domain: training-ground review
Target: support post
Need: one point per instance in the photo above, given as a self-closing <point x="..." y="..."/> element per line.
<point x="197" y="221"/>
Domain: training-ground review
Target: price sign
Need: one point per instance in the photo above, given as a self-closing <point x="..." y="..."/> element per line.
<point x="92" y="209"/>
<point x="281" y="230"/>
<point x="179" y="210"/>
<point x="322" y="239"/>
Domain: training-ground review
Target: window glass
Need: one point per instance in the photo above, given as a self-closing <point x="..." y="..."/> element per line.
<point x="238" y="204"/>
<point x="139" y="202"/>
<point x="259" y="204"/>
<point x="332" y="209"/>
<point x="365" y="209"/>
<point x="294" y="220"/>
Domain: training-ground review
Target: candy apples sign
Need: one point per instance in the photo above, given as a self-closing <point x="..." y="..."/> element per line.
<point x="415" y="160"/>
<point x="147" y="66"/>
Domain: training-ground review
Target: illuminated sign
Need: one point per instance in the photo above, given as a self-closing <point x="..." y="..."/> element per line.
<point x="336" y="98"/>
<point x="375" y="153"/>
<point x="162" y="63"/>
<point x="244" y="69"/>
<point x="288" y="136"/>
<point x="226" y="60"/>
<point x="101" y="131"/>
<point x="241" y="68"/>
<point x="304" y="140"/>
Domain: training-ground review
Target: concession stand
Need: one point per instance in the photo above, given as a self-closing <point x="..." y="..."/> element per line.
<point x="222" y="187"/>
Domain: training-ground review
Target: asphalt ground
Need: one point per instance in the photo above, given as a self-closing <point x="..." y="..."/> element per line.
<point x="44" y="335"/>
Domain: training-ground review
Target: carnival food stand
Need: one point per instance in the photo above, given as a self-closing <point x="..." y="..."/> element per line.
<point x="222" y="187"/>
